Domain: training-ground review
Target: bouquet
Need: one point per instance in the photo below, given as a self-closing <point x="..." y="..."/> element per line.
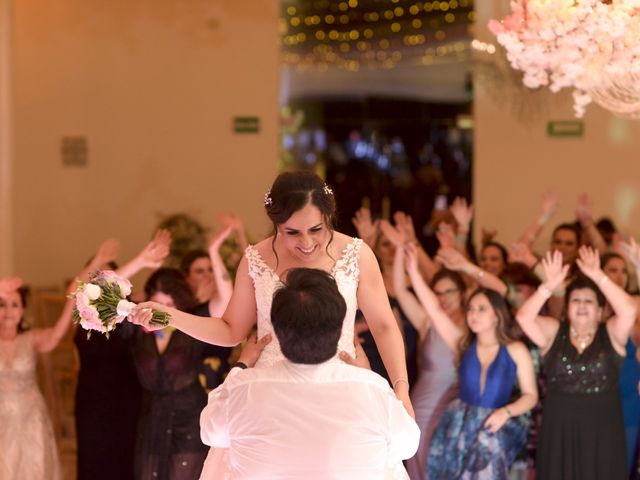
<point x="101" y="303"/>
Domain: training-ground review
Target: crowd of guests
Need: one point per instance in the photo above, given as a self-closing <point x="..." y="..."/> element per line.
<point x="512" y="364"/>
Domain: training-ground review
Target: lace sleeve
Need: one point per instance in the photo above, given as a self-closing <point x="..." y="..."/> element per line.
<point x="257" y="267"/>
<point x="348" y="265"/>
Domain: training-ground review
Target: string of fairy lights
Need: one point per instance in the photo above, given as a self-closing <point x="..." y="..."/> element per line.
<point x="374" y="34"/>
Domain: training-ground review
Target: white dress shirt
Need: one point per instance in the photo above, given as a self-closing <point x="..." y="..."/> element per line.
<point x="293" y="421"/>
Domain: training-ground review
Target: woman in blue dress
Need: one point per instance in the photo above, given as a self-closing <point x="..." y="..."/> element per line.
<point x="480" y="433"/>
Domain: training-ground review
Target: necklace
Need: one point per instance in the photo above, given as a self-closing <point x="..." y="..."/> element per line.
<point x="582" y="339"/>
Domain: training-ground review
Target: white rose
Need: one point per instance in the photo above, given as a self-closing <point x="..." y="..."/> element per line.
<point x="125" y="286"/>
<point x="125" y="308"/>
<point x="92" y="291"/>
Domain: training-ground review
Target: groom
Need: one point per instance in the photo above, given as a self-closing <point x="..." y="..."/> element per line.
<point x="307" y="417"/>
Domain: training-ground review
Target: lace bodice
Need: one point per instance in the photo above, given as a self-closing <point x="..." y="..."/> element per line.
<point x="346" y="271"/>
<point x="27" y="442"/>
<point x="17" y="365"/>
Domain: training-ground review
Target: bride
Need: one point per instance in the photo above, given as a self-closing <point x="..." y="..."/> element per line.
<point x="302" y="210"/>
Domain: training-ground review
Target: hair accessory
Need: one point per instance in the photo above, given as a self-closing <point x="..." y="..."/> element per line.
<point x="327" y="189"/>
<point x="268" y="201"/>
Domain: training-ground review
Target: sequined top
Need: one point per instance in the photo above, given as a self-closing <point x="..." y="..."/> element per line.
<point x="594" y="371"/>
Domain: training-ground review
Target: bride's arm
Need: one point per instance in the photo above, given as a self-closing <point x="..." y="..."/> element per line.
<point x="374" y="304"/>
<point x="228" y="330"/>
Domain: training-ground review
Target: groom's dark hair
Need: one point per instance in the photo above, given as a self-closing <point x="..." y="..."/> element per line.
<point x="307" y="314"/>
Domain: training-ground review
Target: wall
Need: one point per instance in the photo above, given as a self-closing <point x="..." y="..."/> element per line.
<point x="6" y="137"/>
<point x="154" y="86"/>
<point x="516" y="162"/>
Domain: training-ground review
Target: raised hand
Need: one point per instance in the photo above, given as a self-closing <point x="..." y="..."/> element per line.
<point x="156" y="251"/>
<point x="9" y="284"/>
<point x="107" y="253"/>
<point x="367" y="229"/>
<point x="487" y="235"/>
<point x="231" y="220"/>
<point x="404" y="223"/>
<point x="589" y="263"/>
<point x="445" y="235"/>
<point x="462" y="212"/>
<point x="549" y="205"/>
<point x="394" y="235"/>
<point x="632" y="251"/>
<point x="452" y="259"/>
<point x="584" y="209"/>
<point x="554" y="272"/>
<point x="219" y="238"/>
<point x="521" y="253"/>
<point x="411" y="258"/>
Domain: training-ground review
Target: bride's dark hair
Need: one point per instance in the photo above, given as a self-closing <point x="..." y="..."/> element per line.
<point x="292" y="191"/>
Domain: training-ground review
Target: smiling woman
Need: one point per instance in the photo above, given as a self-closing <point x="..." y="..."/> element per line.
<point x="27" y="441"/>
<point x="582" y="359"/>
<point x="302" y="210"/>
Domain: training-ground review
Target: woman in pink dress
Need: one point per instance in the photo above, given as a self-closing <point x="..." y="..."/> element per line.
<point x="27" y="443"/>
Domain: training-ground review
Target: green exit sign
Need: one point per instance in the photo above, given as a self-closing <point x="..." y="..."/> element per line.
<point x="246" y="124"/>
<point x="565" y="128"/>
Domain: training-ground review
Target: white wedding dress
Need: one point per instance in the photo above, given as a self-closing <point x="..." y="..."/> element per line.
<point x="346" y="272"/>
<point x="27" y="444"/>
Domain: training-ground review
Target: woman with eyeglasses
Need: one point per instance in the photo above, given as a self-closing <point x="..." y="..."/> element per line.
<point x="480" y="432"/>
<point x="436" y="384"/>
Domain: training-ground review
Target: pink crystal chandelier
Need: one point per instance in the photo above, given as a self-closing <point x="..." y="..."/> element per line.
<point x="590" y="46"/>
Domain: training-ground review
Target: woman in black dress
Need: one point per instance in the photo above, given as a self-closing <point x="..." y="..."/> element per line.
<point x="168" y="362"/>
<point x="582" y="433"/>
<point x="106" y="424"/>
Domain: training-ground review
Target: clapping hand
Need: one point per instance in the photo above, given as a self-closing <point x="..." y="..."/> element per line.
<point x="452" y="259"/>
<point x="367" y="229"/>
<point x="155" y="252"/>
<point x="404" y="223"/>
<point x="394" y="235"/>
<point x="219" y="238"/>
<point x="554" y="271"/>
<point x="411" y="258"/>
<point x="232" y="220"/>
<point x="107" y="253"/>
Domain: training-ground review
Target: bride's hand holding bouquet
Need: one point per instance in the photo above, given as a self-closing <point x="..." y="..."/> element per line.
<point x="101" y="303"/>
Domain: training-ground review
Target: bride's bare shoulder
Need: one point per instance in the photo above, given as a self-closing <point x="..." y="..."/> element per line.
<point x="265" y="247"/>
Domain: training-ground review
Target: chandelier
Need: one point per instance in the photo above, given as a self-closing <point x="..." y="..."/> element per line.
<point x="591" y="46"/>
